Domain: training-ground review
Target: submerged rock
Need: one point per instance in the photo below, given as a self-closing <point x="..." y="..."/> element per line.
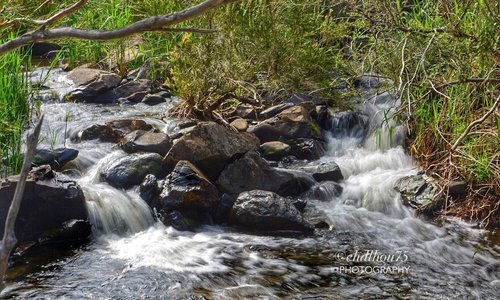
<point x="267" y="211"/>
<point x="50" y="200"/>
<point x="210" y="147"/>
<point x="251" y="172"/>
<point x="56" y="158"/>
<point x="131" y="170"/>
<point x="146" y="141"/>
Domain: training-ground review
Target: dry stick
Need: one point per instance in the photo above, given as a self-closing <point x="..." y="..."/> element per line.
<point x="156" y="23"/>
<point x="475" y="123"/>
<point x="62" y="14"/>
<point x="9" y="237"/>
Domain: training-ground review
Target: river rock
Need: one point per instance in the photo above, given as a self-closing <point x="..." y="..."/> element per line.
<point x="56" y="158"/>
<point x="292" y="123"/>
<point x="275" y="150"/>
<point x="92" y="83"/>
<point x="123" y="91"/>
<point x="210" y="147"/>
<point x="156" y="99"/>
<point x="146" y="141"/>
<point x="251" y="172"/>
<point x="328" y="171"/>
<point x="131" y="170"/>
<point x="149" y="190"/>
<point x="267" y="211"/>
<point x="240" y="124"/>
<point x="50" y="199"/>
<point x="419" y="192"/>
<point x="310" y="149"/>
<point x="324" y="191"/>
<point x="113" y="131"/>
<point x="347" y="123"/>
<point x="187" y="188"/>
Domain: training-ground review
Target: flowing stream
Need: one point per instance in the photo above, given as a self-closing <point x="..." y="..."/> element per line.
<point x="133" y="257"/>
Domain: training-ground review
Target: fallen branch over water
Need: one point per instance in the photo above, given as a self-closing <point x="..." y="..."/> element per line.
<point x="9" y="237"/>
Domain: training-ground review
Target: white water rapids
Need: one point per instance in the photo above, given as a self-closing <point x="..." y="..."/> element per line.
<point x="132" y="257"/>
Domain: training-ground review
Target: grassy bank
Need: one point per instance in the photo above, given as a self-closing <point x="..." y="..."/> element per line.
<point x="443" y="57"/>
<point x="14" y="110"/>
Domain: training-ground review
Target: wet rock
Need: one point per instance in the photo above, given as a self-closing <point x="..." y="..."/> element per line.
<point x="123" y="91"/>
<point x="210" y="147"/>
<point x="50" y="199"/>
<point x="179" y="221"/>
<point x="56" y="158"/>
<point x="321" y="225"/>
<point x="418" y="192"/>
<point x="267" y="211"/>
<point x="92" y="83"/>
<point x="149" y="190"/>
<point x="135" y="97"/>
<point x="240" y="124"/>
<point x="187" y="124"/>
<point x="131" y="170"/>
<point x="329" y="171"/>
<point x="113" y="131"/>
<point x="300" y="205"/>
<point x="69" y="232"/>
<point x="347" y="123"/>
<point x="324" y="191"/>
<point x="146" y="141"/>
<point x="322" y="117"/>
<point x="154" y="99"/>
<point x="292" y="123"/>
<point x="186" y="189"/>
<point x="251" y="172"/>
<point x="275" y="150"/>
<point x="223" y="210"/>
<point x="310" y="149"/>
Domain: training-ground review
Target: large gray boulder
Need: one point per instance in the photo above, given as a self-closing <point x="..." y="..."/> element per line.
<point x="50" y="201"/>
<point x="267" y="211"/>
<point x="210" y="147"/>
<point x="131" y="170"/>
<point x="251" y="172"/>
<point x="146" y="141"/>
<point x="124" y="90"/>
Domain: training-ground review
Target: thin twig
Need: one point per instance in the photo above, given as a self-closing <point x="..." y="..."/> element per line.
<point x="474" y="124"/>
<point x="9" y="240"/>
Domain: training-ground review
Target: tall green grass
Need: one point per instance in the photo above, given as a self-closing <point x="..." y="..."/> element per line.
<point x="14" y="109"/>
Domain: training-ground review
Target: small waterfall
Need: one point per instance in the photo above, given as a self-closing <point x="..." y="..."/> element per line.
<point x="112" y="210"/>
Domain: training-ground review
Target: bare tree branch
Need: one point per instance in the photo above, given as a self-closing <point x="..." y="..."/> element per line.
<point x="9" y="237"/>
<point x="475" y="123"/>
<point x="156" y="23"/>
<point x="63" y="13"/>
